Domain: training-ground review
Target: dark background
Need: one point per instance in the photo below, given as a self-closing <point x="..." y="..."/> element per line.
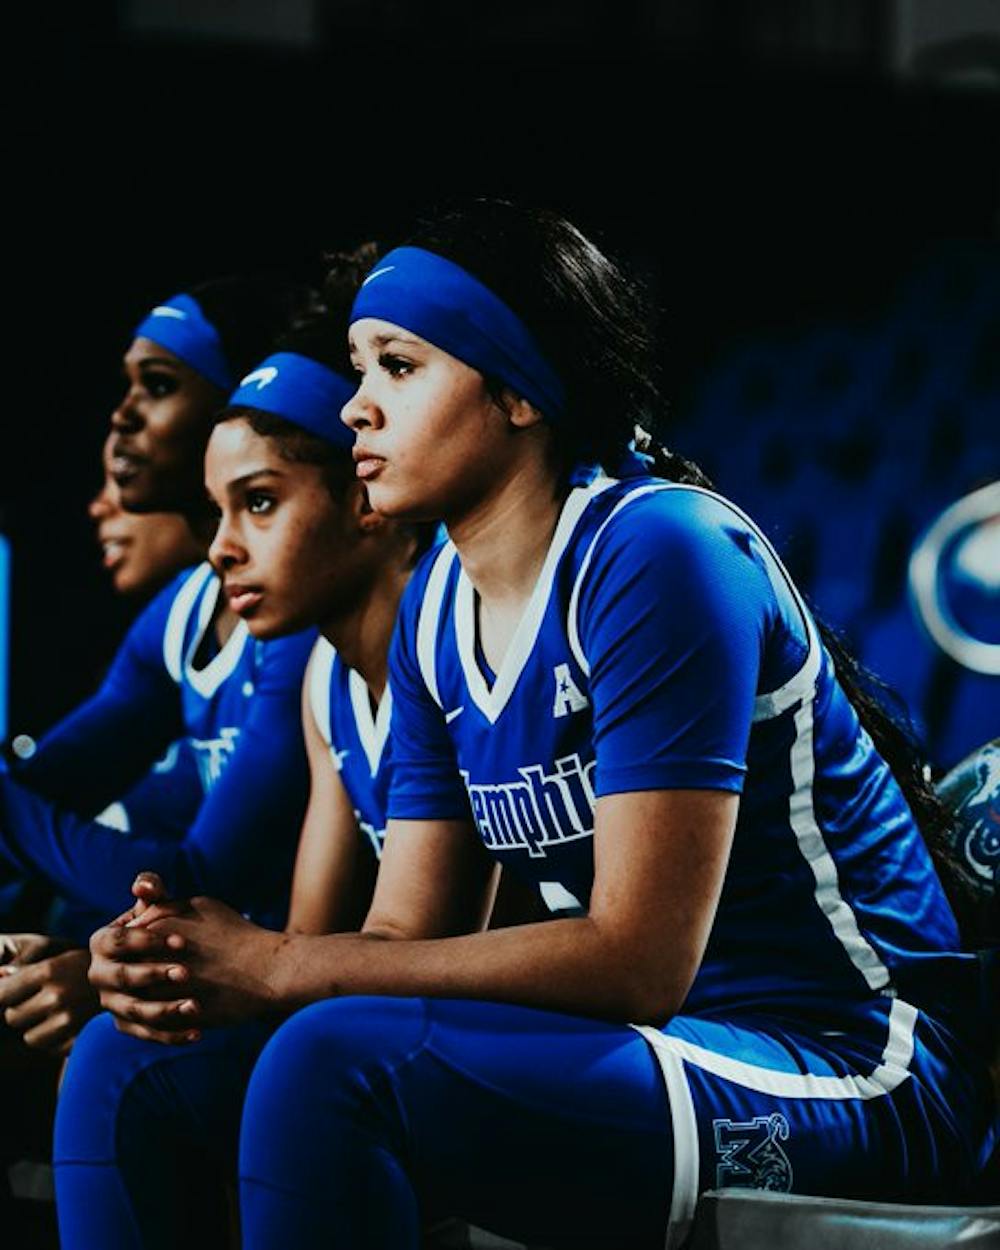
<point x="769" y="167"/>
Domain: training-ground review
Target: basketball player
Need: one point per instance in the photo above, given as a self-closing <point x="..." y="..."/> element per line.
<point x="607" y="683"/>
<point x="189" y="669"/>
<point x="296" y="537"/>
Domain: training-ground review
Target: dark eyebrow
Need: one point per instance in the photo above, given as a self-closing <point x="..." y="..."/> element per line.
<point x="237" y="482"/>
<point x="381" y="340"/>
<point x="160" y="362"/>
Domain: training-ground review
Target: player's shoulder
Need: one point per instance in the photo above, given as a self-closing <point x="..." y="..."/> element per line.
<point x="661" y="518"/>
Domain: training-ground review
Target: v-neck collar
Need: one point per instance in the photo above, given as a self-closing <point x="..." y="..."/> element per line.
<point x="491" y="700"/>
<point x="208" y="679"/>
<point x="373" y="731"/>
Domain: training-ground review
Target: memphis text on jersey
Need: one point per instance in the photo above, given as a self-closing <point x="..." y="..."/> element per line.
<point x="542" y="809"/>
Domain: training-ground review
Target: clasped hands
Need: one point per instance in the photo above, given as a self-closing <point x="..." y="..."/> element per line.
<point x="167" y="968"/>
<point x="44" y="995"/>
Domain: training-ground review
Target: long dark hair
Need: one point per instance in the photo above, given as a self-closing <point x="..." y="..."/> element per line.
<point x="250" y="311"/>
<point x="593" y="324"/>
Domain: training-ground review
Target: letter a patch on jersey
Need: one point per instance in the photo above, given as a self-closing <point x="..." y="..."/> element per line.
<point x="568" y="697"/>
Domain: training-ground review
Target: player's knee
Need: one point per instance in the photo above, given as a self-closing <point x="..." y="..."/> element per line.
<point x="341" y="1034"/>
<point x="100" y="1069"/>
<point x="323" y="1051"/>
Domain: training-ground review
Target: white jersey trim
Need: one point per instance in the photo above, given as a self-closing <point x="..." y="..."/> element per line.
<point x="891" y="1071"/>
<point x="318" y="677"/>
<point x="492" y="701"/>
<point x="813" y="848"/>
<point x="427" y="622"/>
<point x="373" y="732"/>
<point x="684" y="1124"/>
<point x="801" y="689"/>
<point x="572" y="630"/>
<point x="208" y="679"/>
<point x="766" y="706"/>
<point x="177" y="618"/>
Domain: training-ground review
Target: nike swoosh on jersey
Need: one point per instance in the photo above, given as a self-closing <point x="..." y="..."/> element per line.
<point x="450" y="716"/>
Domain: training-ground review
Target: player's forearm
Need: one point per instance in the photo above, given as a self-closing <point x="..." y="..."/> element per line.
<point x="563" y="965"/>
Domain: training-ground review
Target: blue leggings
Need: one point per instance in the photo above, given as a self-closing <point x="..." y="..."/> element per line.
<point x="366" y="1116"/>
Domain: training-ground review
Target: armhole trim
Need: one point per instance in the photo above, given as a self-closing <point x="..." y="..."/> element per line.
<point x="318" y="678"/>
<point x="430" y="614"/>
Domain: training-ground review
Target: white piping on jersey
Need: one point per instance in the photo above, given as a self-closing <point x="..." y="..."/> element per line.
<point x="492" y="701"/>
<point x="766" y="706"/>
<point x="813" y="848"/>
<point x="572" y="631"/>
<point x="672" y="1053"/>
<point x="208" y="679"/>
<point x="684" y="1124"/>
<point x="800" y="688"/>
<point x="372" y="732"/>
<point x="177" y="618"/>
<point x="891" y="1071"/>
<point x="430" y="612"/>
<point x="320" y="668"/>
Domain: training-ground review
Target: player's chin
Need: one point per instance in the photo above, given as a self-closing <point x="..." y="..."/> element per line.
<point x="398" y="502"/>
<point x="265" y="628"/>
<point x="265" y="625"/>
<point x="126" y="582"/>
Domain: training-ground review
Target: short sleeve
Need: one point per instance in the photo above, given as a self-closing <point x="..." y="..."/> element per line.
<point x="425" y="783"/>
<point x="673" y="618"/>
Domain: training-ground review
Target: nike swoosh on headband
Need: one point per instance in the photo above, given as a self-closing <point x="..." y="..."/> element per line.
<point x="377" y="274"/>
<point x="263" y="377"/>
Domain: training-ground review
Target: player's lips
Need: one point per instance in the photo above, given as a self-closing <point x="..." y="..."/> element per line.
<point x="242" y="599"/>
<point x="113" y="549"/>
<point x="125" y="463"/>
<point x="366" y="464"/>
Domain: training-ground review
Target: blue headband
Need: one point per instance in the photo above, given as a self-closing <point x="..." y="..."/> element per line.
<point x="302" y="391"/>
<point x="181" y="327"/>
<point x="430" y="296"/>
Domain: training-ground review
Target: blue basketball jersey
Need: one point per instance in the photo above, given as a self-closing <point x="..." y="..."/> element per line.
<point x="213" y="687"/>
<point x="357" y="737"/>
<point x="665" y="647"/>
<point x="164" y="802"/>
<point x="233" y="712"/>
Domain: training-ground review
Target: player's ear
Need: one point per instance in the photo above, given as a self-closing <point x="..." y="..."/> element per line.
<point x="519" y="412"/>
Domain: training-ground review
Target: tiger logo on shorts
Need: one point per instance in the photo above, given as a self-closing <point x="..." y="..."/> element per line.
<point x="750" y="1154"/>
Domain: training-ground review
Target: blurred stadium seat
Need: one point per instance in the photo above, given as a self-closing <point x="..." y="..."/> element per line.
<point x="847" y="443"/>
